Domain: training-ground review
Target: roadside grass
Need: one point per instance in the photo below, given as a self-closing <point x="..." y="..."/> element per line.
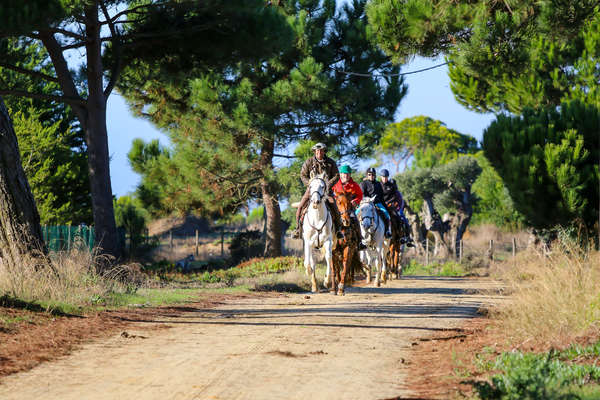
<point x="71" y="285"/>
<point x="553" y="304"/>
<point x="281" y="274"/>
<point x="550" y="375"/>
<point x="447" y="268"/>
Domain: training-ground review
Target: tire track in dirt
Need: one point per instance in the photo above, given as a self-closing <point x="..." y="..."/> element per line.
<point x="291" y="347"/>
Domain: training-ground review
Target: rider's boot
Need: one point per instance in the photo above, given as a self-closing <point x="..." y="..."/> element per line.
<point x="297" y="233"/>
<point x="361" y="245"/>
<point x="337" y="221"/>
<point x="388" y="229"/>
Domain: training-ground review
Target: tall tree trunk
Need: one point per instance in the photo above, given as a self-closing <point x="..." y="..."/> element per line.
<point x="97" y="142"/>
<point x="416" y="228"/>
<point x="434" y="224"/>
<point x="20" y="230"/>
<point x="271" y="203"/>
<point x="464" y="214"/>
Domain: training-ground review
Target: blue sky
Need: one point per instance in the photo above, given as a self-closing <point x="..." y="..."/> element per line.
<point x="428" y="94"/>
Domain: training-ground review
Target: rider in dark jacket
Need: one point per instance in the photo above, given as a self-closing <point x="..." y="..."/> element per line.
<point x="373" y="188"/>
<point x="394" y="202"/>
<point x="312" y="167"/>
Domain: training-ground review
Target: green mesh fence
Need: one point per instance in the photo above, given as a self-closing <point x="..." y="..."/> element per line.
<point x="66" y="237"/>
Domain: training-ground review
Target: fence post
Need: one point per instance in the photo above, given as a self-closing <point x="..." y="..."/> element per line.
<point x="196" y="242"/>
<point x="222" y="240"/>
<point x="426" y="251"/>
<point x="460" y="251"/>
<point x="491" y="250"/>
<point x="171" y="239"/>
<point x="514" y="247"/>
<point x="69" y="237"/>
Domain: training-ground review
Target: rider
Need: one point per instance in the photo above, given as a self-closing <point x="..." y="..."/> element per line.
<point x="314" y="166"/>
<point x="393" y="199"/>
<point x="372" y="188"/>
<point x="346" y="184"/>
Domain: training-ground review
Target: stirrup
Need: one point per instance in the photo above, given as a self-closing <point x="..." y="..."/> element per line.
<point x="295" y="234"/>
<point x="387" y="234"/>
<point x="361" y="246"/>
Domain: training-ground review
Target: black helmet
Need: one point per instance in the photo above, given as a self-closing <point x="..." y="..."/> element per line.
<point x="371" y="171"/>
<point x="385" y="172"/>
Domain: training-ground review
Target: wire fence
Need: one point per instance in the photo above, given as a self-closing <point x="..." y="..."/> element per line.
<point x="67" y="237"/>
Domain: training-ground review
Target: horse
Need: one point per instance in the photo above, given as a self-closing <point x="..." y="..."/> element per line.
<point x="317" y="229"/>
<point x="394" y="256"/>
<point x="345" y="254"/>
<point x="372" y="230"/>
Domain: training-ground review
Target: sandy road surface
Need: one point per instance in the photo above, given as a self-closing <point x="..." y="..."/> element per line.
<point x="286" y="347"/>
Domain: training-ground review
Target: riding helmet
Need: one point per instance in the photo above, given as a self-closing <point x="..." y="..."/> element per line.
<point x="385" y="172"/>
<point x="345" y="169"/>
<point x="371" y="171"/>
<point x="319" y="146"/>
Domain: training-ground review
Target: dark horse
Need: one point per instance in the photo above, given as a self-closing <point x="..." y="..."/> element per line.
<point x="345" y="254"/>
<point x="397" y="242"/>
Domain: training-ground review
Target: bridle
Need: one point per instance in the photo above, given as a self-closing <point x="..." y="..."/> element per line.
<point x="319" y="230"/>
<point x="375" y="219"/>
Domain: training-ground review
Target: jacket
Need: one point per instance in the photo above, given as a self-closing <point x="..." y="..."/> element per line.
<point x="372" y="189"/>
<point x="312" y="167"/>
<point x="350" y="187"/>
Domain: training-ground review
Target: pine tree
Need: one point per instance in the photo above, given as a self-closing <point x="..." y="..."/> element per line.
<point x="147" y="29"/>
<point x="503" y="55"/>
<point x="232" y="124"/>
<point x="549" y="161"/>
<point x="20" y="231"/>
<point x="422" y="142"/>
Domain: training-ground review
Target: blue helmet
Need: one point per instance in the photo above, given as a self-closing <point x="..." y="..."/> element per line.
<point x="385" y="172"/>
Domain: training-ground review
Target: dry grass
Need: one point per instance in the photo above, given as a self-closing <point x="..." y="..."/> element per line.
<point x="553" y="299"/>
<point x="63" y="280"/>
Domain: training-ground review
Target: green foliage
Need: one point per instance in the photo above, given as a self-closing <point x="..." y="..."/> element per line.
<point x="56" y="172"/>
<point x="502" y="55"/>
<point x="227" y="124"/>
<point x="424" y="142"/>
<point x="256" y="215"/>
<point x="459" y="177"/>
<point x="448" y="268"/>
<point x="50" y="141"/>
<point x="536" y="376"/>
<point x="132" y="217"/>
<point x="494" y="203"/>
<point x="549" y="160"/>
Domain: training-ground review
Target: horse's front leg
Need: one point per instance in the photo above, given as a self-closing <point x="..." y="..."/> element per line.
<point x="377" y="263"/>
<point x="347" y="253"/>
<point x="330" y="267"/>
<point x="365" y="264"/>
<point x="383" y="260"/>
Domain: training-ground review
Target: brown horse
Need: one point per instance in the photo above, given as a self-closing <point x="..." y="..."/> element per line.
<point x="345" y="254"/>
<point x="394" y="256"/>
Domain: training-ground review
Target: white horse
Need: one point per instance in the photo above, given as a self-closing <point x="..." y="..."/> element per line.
<point x="317" y="229"/>
<point x="372" y="231"/>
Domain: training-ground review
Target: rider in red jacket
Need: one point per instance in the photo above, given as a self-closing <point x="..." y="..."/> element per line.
<point x="346" y="184"/>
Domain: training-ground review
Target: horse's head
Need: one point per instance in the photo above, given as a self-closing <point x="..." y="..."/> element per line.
<point x="344" y="206"/>
<point x="366" y="218"/>
<point x="317" y="188"/>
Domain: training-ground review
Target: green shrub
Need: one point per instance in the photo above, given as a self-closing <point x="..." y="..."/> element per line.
<point x="536" y="376"/>
<point x="246" y="245"/>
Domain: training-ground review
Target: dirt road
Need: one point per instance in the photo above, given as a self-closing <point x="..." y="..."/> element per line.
<point x="297" y="346"/>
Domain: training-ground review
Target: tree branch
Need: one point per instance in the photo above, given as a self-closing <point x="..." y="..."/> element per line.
<point x="116" y="68"/>
<point x="67" y="33"/>
<point x="62" y="99"/>
<point x="65" y="80"/>
<point x="29" y="72"/>
<point x="284" y="156"/>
